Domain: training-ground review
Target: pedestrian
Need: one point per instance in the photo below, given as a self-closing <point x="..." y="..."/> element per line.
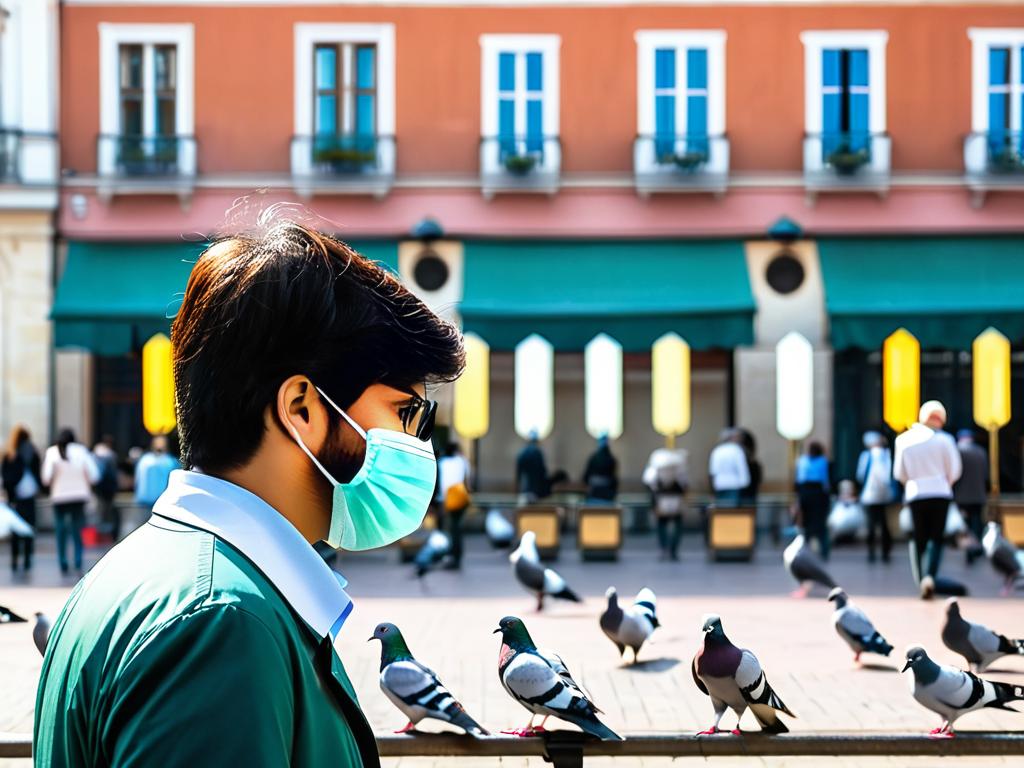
<point x="212" y="634"/>
<point x="748" y="495"/>
<point x="812" y="490"/>
<point x="22" y="483"/>
<point x="532" y="479"/>
<point x="971" y="491"/>
<point x="453" y="495"/>
<point x="727" y="465"/>
<point x="666" y="475"/>
<point x="109" y="513"/>
<point x="874" y="474"/>
<point x="69" y="472"/>
<point x="601" y="475"/>
<point x="927" y="462"/>
<point x="153" y="473"/>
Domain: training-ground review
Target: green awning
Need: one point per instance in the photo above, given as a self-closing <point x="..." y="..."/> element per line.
<point x="945" y="291"/>
<point x="635" y="291"/>
<point x="113" y="296"/>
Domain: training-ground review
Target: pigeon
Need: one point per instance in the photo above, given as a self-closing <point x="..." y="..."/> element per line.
<point x="804" y="566"/>
<point x="434" y="548"/>
<point x="541" y="682"/>
<point x="414" y="688"/>
<point x="41" y="632"/>
<point x="1005" y="557"/>
<point x="534" y="577"/>
<point x="732" y="677"/>
<point x="855" y="627"/>
<point x="952" y="693"/>
<point x="630" y="627"/>
<point x="7" y="616"/>
<point x="978" y="644"/>
<point x="499" y="530"/>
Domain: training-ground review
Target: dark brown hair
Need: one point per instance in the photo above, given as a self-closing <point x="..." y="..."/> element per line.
<point x="290" y="300"/>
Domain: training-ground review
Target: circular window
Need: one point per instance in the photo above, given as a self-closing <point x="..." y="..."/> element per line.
<point x="430" y="272"/>
<point x="785" y="273"/>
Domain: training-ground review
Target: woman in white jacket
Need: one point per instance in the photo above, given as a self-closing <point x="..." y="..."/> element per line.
<point x="70" y="472"/>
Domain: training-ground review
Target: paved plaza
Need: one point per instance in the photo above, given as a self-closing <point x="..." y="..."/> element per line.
<point x="448" y="618"/>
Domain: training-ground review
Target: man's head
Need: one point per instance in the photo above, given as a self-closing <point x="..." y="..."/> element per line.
<point x="965" y="436"/>
<point x="933" y="414"/>
<point x="158" y="444"/>
<point x="269" y="317"/>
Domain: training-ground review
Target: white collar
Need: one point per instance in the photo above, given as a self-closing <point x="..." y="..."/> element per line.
<point x="264" y="536"/>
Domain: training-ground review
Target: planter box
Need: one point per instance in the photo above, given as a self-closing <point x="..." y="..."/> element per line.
<point x="732" y="532"/>
<point x="599" y="532"/>
<point x="546" y="523"/>
<point x="1012" y="515"/>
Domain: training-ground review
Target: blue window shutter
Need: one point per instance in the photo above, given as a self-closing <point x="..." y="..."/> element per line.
<point x="859" y="67"/>
<point x="697" y="123"/>
<point x="535" y="72"/>
<point x="697" y="68"/>
<point x="506" y="71"/>
<point x="534" y="125"/>
<point x="365" y="69"/>
<point x="326" y="115"/>
<point x="830" y="67"/>
<point x="365" y="123"/>
<point x="998" y="103"/>
<point x="665" y="68"/>
<point x="831" y="103"/>
<point x="998" y="66"/>
<point x="664" y="125"/>
<point x="326" y="67"/>
<point x="507" y="125"/>
<point x="859" y="103"/>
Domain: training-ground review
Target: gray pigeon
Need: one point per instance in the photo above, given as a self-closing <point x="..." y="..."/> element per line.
<point x="1005" y="558"/>
<point x="499" y="530"/>
<point x="732" y="677"/>
<point x="414" y="688"/>
<point x="805" y="566"/>
<point x="978" y="644"/>
<point x="41" y="632"/>
<point x="952" y="693"/>
<point x="434" y="548"/>
<point x="630" y="627"/>
<point x="540" y="681"/>
<point x="7" y="616"/>
<point x="853" y="625"/>
<point x="534" y="577"/>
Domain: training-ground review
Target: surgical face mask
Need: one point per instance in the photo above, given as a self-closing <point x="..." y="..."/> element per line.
<point x="389" y="495"/>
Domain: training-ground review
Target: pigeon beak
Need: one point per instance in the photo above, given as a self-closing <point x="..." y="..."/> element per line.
<point x="906" y="666"/>
<point x="496" y="631"/>
<point x="370" y="639"/>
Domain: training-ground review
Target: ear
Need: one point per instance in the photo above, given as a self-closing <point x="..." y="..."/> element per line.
<point x="300" y="410"/>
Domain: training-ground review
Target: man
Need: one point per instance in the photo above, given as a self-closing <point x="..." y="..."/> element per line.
<point x="532" y="480"/>
<point x="207" y="637"/>
<point x="601" y="475"/>
<point x="927" y="462"/>
<point x="728" y="467"/>
<point x="453" y="494"/>
<point x="105" y="456"/>
<point x="971" y="490"/>
<point x="153" y="472"/>
<point x="667" y="477"/>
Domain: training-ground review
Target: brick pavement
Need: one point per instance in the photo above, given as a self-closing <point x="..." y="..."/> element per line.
<point x="448" y="618"/>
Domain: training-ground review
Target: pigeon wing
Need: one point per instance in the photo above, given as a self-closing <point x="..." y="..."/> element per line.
<point x="696" y="678"/>
<point x="754" y="685"/>
<point x="807" y="567"/>
<point x="982" y="639"/>
<point x="530" y="574"/>
<point x="532" y="681"/>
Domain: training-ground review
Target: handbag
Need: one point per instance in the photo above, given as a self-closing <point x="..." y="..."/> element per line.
<point x="955" y="522"/>
<point x="457" y="498"/>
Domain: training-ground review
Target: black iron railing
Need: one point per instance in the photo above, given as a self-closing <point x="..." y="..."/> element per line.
<point x="142" y="156"/>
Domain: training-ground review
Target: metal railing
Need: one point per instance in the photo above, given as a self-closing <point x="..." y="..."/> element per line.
<point x="10" y="147"/>
<point x="994" y="153"/>
<point x="527" y="163"/>
<point x="568" y="749"/>
<point x="680" y="162"/>
<point x="847" y="159"/>
<point x="339" y="156"/>
<point x="138" y="156"/>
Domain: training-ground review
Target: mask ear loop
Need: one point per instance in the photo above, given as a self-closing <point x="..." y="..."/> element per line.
<point x="313" y="458"/>
<point x="356" y="427"/>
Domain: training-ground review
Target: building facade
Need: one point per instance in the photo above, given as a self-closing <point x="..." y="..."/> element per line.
<point x="28" y="199"/>
<point x="730" y="172"/>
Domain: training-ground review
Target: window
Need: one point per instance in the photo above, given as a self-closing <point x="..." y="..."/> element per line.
<point x="344" y="98"/>
<point x="146" y="99"/>
<point x="519" y="103"/>
<point x="680" y="100"/>
<point x="844" y="108"/>
<point x="998" y="100"/>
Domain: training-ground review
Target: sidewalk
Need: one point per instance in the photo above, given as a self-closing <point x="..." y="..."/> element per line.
<point x="447" y="620"/>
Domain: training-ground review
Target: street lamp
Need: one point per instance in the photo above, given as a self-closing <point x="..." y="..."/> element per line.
<point x="157" y="386"/>
<point x="991" y="357"/>
<point x="534" y="387"/>
<point x="901" y="380"/>
<point x="794" y="391"/>
<point x="602" y="365"/>
<point x="670" y="387"/>
<point x="472" y="390"/>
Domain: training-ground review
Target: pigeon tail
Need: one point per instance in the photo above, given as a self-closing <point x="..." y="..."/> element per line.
<point x="469" y="725"/>
<point x="590" y="724"/>
<point x="1008" y="646"/>
<point x="1005" y="694"/>
<point x="877" y="644"/>
<point x="773" y="726"/>
<point x="568" y="594"/>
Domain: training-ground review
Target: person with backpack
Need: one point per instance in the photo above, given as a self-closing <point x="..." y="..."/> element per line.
<point x="878" y="491"/>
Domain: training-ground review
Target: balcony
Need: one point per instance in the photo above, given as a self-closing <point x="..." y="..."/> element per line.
<point x="345" y="164"/>
<point x="146" y="165"/>
<point x="847" y="162"/>
<point x="519" y="164"/>
<point x="683" y="163"/>
<point x="28" y="169"/>
<point x="993" y="161"/>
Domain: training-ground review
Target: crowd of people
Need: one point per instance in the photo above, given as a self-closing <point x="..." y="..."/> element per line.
<point x="75" y="480"/>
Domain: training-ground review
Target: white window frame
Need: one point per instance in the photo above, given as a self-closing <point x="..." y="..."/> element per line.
<point x="682" y="40"/>
<point x="112" y="37"/>
<point x="307" y="37"/>
<point x="982" y="41"/>
<point x="815" y="43"/>
<point x="491" y="45"/>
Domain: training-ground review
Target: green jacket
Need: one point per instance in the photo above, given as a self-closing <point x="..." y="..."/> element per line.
<point x="175" y="650"/>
